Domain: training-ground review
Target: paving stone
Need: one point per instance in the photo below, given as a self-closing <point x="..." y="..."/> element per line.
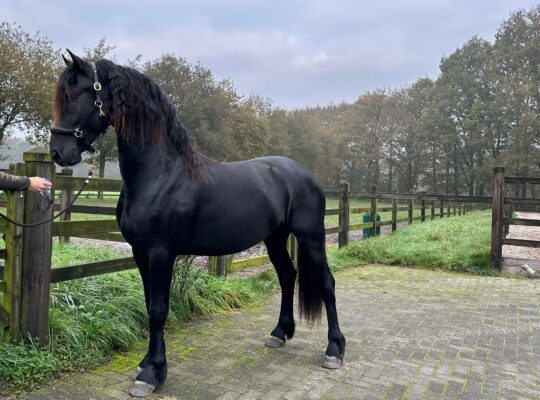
<point x="411" y="334"/>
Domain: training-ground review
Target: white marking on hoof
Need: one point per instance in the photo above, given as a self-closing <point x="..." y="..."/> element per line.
<point x="138" y="370"/>
<point x="274" y="342"/>
<point x="332" y="362"/>
<point x="141" y="389"/>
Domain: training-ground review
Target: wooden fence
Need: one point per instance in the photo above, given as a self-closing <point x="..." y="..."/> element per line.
<point x="502" y="213"/>
<point x="27" y="275"/>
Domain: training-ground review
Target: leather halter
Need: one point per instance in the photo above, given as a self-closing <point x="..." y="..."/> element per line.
<point x="78" y="132"/>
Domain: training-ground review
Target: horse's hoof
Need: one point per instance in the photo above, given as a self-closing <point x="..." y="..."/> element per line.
<point x="274" y="342"/>
<point x="332" y="362"/>
<point x="138" y="370"/>
<point x="142" y="389"/>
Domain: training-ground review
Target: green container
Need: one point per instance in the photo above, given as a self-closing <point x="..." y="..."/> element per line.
<point x="367" y="231"/>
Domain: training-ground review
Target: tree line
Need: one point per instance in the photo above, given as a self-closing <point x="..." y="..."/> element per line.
<point x="441" y="135"/>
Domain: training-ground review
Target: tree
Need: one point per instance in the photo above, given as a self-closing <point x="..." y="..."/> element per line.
<point x="517" y="58"/>
<point x="462" y="96"/>
<point x="28" y="72"/>
<point x="202" y="103"/>
<point x="364" y="130"/>
<point x="406" y="148"/>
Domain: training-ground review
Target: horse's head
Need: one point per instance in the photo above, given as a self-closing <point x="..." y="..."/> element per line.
<point x="79" y="112"/>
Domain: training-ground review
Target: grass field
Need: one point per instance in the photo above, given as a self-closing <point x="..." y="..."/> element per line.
<point x="460" y="243"/>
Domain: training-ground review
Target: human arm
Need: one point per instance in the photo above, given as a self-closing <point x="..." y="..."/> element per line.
<point x="14" y="182"/>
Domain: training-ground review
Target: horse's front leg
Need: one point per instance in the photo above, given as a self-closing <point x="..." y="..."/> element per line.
<point x="154" y="372"/>
<point x="142" y="261"/>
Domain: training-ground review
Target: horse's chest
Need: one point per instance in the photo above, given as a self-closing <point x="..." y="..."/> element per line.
<point x="152" y="224"/>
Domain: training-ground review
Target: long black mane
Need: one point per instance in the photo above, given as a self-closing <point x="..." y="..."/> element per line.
<point x="139" y="111"/>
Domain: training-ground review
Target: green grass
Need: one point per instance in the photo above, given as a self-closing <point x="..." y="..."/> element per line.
<point x="91" y="318"/>
<point x="459" y="243"/>
<point x="65" y="254"/>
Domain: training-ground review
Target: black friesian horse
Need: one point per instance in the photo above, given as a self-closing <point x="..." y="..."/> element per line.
<point x="175" y="201"/>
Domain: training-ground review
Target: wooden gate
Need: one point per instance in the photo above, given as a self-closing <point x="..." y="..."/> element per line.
<point x="502" y="209"/>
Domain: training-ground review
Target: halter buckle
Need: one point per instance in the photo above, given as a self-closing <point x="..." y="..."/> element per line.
<point x="97" y="86"/>
<point x="98" y="103"/>
<point x="78" y="133"/>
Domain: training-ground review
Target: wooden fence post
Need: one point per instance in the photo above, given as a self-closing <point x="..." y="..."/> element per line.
<point x="344" y="214"/>
<point x="13" y="264"/>
<point x="497" y="215"/>
<point x="448" y="209"/>
<point x="37" y="248"/>
<point x="374" y="211"/>
<point x="65" y="198"/>
<point x="221" y="265"/>
<point x="410" y="212"/>
<point x="212" y="264"/>
<point x="441" y="209"/>
<point x="433" y="209"/>
<point x="423" y="211"/>
<point x="394" y="214"/>
<point x="454" y="205"/>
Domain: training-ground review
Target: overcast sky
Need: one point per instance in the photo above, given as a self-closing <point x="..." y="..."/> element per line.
<point x="298" y="53"/>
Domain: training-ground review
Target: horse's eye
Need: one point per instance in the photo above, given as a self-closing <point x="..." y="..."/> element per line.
<point x="72" y="80"/>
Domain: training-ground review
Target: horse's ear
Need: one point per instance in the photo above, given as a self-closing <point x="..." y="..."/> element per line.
<point x="77" y="61"/>
<point x="66" y="61"/>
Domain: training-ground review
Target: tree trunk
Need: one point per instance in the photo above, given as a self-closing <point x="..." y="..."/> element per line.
<point x="101" y="174"/>
<point x="409" y="178"/>
<point x="390" y="177"/>
<point x="434" y="175"/>
<point x="447" y="180"/>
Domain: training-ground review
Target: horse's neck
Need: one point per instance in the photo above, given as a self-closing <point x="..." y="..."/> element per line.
<point x="141" y="165"/>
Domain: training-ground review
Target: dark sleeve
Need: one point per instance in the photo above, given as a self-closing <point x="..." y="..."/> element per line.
<point x="13" y="182"/>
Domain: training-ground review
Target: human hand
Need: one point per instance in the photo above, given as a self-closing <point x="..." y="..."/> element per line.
<point x="38" y="184"/>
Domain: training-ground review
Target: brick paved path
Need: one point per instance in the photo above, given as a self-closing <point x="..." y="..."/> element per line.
<point x="412" y="334"/>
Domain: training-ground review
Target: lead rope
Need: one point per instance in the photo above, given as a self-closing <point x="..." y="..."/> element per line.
<point x="91" y="171"/>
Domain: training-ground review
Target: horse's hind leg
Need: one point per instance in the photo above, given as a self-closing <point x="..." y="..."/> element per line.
<point x="277" y="251"/>
<point x="336" y="341"/>
<point x="317" y="282"/>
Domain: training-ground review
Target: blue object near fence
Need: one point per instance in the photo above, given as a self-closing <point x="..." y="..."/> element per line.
<point x="367" y="231"/>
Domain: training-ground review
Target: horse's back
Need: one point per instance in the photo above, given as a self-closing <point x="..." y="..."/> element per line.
<point x="278" y="177"/>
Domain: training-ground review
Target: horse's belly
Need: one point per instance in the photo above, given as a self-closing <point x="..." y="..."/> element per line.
<point x="219" y="239"/>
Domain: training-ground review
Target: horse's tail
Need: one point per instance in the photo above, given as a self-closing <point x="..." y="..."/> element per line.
<point x="311" y="274"/>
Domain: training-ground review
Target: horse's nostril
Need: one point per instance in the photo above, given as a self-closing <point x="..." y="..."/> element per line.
<point x="55" y="156"/>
